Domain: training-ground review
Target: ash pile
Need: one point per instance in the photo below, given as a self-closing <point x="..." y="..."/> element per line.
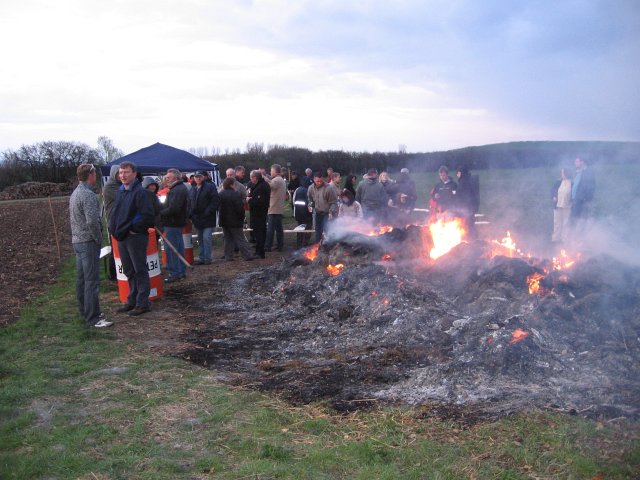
<point x="368" y="318"/>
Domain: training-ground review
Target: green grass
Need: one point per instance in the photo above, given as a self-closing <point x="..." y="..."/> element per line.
<point x="78" y="403"/>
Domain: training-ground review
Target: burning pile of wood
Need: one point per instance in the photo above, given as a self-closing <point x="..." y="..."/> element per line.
<point x="373" y="315"/>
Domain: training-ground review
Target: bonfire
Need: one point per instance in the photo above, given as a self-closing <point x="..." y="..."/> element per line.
<point x="419" y="314"/>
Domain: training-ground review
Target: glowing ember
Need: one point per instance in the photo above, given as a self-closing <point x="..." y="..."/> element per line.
<point x="312" y="252"/>
<point x="386" y="301"/>
<point x="563" y="261"/>
<point x="518" y="335"/>
<point x="508" y="246"/>
<point x="335" y="269"/>
<point x="534" y="283"/>
<point x="380" y="230"/>
<point x="445" y="236"/>
<point x="386" y="257"/>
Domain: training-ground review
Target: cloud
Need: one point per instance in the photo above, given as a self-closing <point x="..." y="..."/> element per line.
<point x="323" y="74"/>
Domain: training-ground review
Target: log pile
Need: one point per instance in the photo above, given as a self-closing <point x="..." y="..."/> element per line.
<point x="36" y="190"/>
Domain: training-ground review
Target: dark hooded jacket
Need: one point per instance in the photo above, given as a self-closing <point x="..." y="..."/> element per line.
<point x="231" y="209"/>
<point x="153" y="198"/>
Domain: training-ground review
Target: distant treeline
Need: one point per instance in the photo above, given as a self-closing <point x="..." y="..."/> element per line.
<point x="501" y="155"/>
<point x="57" y="161"/>
<point x="52" y="161"/>
<point x="45" y="162"/>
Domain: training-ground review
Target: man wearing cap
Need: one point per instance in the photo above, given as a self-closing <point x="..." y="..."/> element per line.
<point x="372" y="196"/>
<point x="205" y="202"/>
<point x="86" y="237"/>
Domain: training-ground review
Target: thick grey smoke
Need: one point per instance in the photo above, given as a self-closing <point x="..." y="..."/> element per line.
<point x="602" y="237"/>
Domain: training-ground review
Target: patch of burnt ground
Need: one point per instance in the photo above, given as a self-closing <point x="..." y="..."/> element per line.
<point x="444" y="334"/>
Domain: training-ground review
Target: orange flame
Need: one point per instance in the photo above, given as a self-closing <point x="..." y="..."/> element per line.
<point x="445" y="236"/>
<point x="381" y="230"/>
<point x="386" y="257"/>
<point x="518" y="335"/>
<point x="563" y="262"/>
<point x="312" y="252"/>
<point x="507" y="246"/>
<point x="335" y="270"/>
<point x="534" y="283"/>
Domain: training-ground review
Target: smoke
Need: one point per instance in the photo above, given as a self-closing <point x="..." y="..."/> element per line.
<point x="607" y="237"/>
<point x="343" y="227"/>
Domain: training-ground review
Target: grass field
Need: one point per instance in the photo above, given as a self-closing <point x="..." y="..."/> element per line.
<point x="84" y="404"/>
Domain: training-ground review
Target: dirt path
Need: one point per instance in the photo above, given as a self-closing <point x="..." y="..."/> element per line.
<point x="177" y="314"/>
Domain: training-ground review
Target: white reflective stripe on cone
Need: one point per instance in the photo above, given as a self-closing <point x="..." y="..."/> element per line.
<point x="153" y="264"/>
<point x="119" y="269"/>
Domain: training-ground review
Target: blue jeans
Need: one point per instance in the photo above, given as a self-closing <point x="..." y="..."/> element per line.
<point x="321" y="219"/>
<point x="88" y="280"/>
<point x="274" y="225"/>
<point x="177" y="269"/>
<point x="133" y="254"/>
<point x="205" y="241"/>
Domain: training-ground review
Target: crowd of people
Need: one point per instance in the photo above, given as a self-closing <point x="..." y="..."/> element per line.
<point x="132" y="205"/>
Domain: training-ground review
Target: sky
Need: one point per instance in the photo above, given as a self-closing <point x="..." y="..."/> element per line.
<point x="423" y="75"/>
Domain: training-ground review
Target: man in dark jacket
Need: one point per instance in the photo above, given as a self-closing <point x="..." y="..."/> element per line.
<point x="205" y="202"/>
<point x="259" y="196"/>
<point x="232" y="220"/>
<point x="467" y="199"/>
<point x="174" y="217"/>
<point x="302" y="215"/>
<point x="443" y="193"/>
<point x="131" y="217"/>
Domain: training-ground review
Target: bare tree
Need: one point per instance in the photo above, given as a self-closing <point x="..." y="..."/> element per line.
<point x="46" y="162"/>
<point x="107" y="150"/>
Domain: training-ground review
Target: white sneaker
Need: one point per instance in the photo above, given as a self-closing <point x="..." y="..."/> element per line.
<point x="103" y="323"/>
